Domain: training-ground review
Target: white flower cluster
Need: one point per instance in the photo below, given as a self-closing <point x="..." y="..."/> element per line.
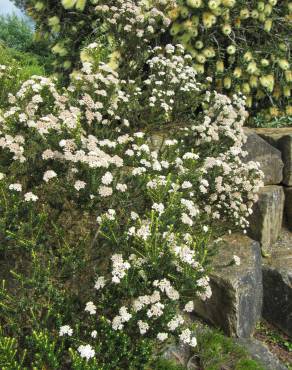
<point x="120" y="268"/>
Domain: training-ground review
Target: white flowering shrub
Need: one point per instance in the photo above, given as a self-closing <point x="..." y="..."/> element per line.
<point x="154" y="210"/>
<point x="114" y="192"/>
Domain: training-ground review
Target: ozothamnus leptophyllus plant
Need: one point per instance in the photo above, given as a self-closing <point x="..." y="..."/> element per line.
<point x="158" y="207"/>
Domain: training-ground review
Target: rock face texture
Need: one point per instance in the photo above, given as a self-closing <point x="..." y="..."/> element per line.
<point x="266" y="220"/>
<point x="259" y="352"/>
<point x="280" y="138"/>
<point x="268" y="156"/>
<point x="288" y="207"/>
<point x="277" y="284"/>
<point x="236" y="302"/>
<point x="180" y="353"/>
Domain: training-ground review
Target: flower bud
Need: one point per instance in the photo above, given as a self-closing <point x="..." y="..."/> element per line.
<point x="59" y="49"/>
<point x="289" y="110"/>
<point x="173" y="14"/>
<point x="237" y="23"/>
<point x="229" y="3"/>
<point x="288" y="76"/>
<point x="244" y="13"/>
<point x="248" y="101"/>
<point x="226" y="29"/>
<point x="209" y="52"/>
<point x="268" y="25"/>
<point x="267" y="81"/>
<point x="227" y="82"/>
<point x="253" y="81"/>
<point x="199" y="44"/>
<point x="274" y="111"/>
<point x="218" y="11"/>
<point x="80" y="5"/>
<point x="261" y="6"/>
<point x="264" y="62"/>
<point x="237" y="73"/>
<point x="195" y="20"/>
<point x="67" y="64"/>
<point x="251" y="68"/>
<point x="68" y="4"/>
<point x="175" y="29"/>
<point x="53" y="21"/>
<point x="219" y="66"/>
<point x="287" y="91"/>
<point x="247" y="56"/>
<point x="213" y="4"/>
<point x="231" y="49"/>
<point x="283" y="64"/>
<point x="268" y="9"/>
<point x="277" y="92"/>
<point x="273" y="2"/>
<point x="199" y="68"/>
<point x="226" y="15"/>
<point x="254" y="14"/>
<point x="208" y="19"/>
<point x="201" y="58"/>
<point x="245" y="88"/>
<point x="194" y="3"/>
<point x="262" y="17"/>
<point x="283" y="46"/>
<point x="39" y="6"/>
<point x="184" y="11"/>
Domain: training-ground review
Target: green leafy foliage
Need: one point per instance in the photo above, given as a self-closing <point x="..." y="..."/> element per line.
<point x="216" y="351"/>
<point x="16" y="67"/>
<point x="16" y="32"/>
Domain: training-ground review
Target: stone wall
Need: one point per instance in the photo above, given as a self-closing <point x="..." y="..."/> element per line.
<point x="259" y="286"/>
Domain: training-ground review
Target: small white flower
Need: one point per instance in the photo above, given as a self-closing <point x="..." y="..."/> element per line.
<point x="1" y="176"/>
<point x="30" y="197"/>
<point x="236" y="260"/>
<point x="159" y="207"/>
<point x="100" y="283"/>
<point x="186" y="185"/>
<point x="79" y="185"/>
<point x="65" y="330"/>
<point x="186" y="219"/>
<point x="162" y="336"/>
<point x="86" y="351"/>
<point x="48" y="175"/>
<point x="105" y="191"/>
<point x="94" y="334"/>
<point x="143" y="327"/>
<point x="107" y="178"/>
<point x="189" y="307"/>
<point x="91" y="308"/>
<point x="121" y="187"/>
<point x="193" y="342"/>
<point x="134" y="216"/>
<point x="16" y="187"/>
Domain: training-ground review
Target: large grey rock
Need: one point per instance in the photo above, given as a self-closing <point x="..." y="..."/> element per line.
<point x="268" y="156"/>
<point x="259" y="352"/>
<point x="179" y="353"/>
<point x="277" y="284"/>
<point x="266" y="220"/>
<point x="288" y="207"/>
<point x="280" y="138"/>
<point x="236" y="301"/>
